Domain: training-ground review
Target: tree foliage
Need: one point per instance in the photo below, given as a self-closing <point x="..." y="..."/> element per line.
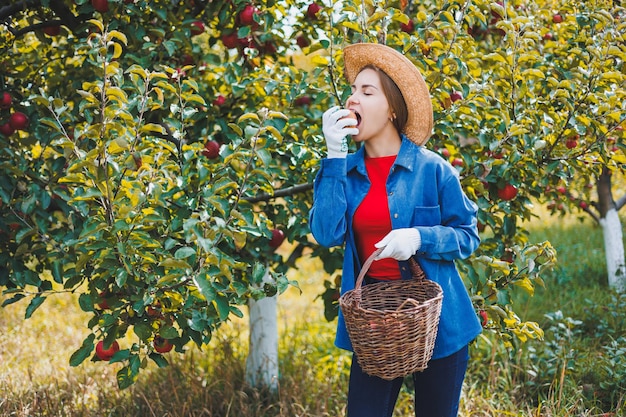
<point x="110" y="192"/>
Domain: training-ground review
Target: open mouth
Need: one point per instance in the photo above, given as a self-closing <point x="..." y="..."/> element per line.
<point x="358" y="118"/>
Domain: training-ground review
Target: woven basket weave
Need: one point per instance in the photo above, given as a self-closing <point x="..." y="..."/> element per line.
<point x="393" y="325"/>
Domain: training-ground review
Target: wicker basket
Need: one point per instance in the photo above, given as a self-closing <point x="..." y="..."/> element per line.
<point x="393" y="325"/>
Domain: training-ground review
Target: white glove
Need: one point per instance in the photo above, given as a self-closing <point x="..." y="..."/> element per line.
<point x="335" y="131"/>
<point x="400" y="244"/>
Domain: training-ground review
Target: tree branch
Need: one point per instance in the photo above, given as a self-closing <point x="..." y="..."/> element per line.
<point x="620" y="203"/>
<point x="300" y="188"/>
<point x="65" y="15"/>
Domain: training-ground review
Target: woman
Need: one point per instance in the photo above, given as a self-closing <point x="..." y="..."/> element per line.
<point x="394" y="194"/>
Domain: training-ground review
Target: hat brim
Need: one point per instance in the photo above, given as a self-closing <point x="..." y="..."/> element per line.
<point x="406" y="76"/>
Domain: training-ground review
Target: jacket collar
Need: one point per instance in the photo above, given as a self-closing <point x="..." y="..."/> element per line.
<point x="405" y="158"/>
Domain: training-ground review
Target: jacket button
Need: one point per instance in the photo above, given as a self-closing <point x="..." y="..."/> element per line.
<point x="395" y="216"/>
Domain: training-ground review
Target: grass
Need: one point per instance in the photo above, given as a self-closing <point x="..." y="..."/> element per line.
<point x="578" y="370"/>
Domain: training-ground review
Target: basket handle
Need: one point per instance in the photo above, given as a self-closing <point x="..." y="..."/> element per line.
<point x="408" y="301"/>
<point x="416" y="269"/>
<point x="366" y="266"/>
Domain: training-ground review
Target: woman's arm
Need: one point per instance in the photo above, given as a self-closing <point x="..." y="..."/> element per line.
<point x="327" y="218"/>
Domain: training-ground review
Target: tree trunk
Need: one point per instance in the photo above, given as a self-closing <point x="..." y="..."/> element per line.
<point x="612" y="232"/>
<point x="614" y="249"/>
<point x="262" y="362"/>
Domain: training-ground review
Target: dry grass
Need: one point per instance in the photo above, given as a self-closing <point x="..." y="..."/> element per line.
<point x="36" y="379"/>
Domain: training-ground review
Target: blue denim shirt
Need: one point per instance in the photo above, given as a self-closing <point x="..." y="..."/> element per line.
<point x="423" y="191"/>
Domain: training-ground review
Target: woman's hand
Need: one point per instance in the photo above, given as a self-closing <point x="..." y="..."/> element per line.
<point x="400" y="244"/>
<point x="336" y="129"/>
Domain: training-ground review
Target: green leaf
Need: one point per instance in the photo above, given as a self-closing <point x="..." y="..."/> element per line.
<point x="13" y="299"/>
<point x="159" y="359"/>
<point x="184" y="252"/>
<point x="34" y="304"/>
<point x="126" y="377"/>
<point x="143" y="330"/>
<point x="205" y="287"/>
<point x="84" y="351"/>
<point x="223" y="306"/>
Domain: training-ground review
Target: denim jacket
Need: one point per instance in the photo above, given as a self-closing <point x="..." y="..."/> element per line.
<point x="423" y="191"/>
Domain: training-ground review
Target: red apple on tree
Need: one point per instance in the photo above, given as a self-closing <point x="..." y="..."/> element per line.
<point x="5" y="100"/>
<point x="407" y="27"/>
<point x="211" y="149"/>
<point x="303" y="101"/>
<point x="100" y="5"/>
<point x="246" y="16"/>
<point x="105" y="354"/>
<point x="197" y="28"/>
<point x="302" y="41"/>
<point x="103" y="303"/>
<point x="18" y="120"/>
<point x="456" y="96"/>
<point x="6" y="129"/>
<point x="219" y="101"/>
<point x="230" y="40"/>
<point x="508" y="192"/>
<point x="457" y="162"/>
<point x="572" y="142"/>
<point x="484" y="318"/>
<point x="52" y="30"/>
<point x="162" y="345"/>
<point x="278" y="236"/>
<point x="557" y="18"/>
<point x="313" y="10"/>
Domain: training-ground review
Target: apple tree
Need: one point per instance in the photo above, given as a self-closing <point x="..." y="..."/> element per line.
<point x="132" y="174"/>
<point x="151" y="150"/>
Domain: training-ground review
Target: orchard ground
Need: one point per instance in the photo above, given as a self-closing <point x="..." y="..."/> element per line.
<point x="579" y="368"/>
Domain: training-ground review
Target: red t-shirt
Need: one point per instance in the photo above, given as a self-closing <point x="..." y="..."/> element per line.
<point x="372" y="220"/>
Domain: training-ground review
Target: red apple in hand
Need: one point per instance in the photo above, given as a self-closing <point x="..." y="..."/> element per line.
<point x="508" y="192"/>
<point x="211" y="149"/>
<point x="106" y="354"/>
<point x="162" y="345"/>
<point x="18" y="120"/>
<point x="5" y="100"/>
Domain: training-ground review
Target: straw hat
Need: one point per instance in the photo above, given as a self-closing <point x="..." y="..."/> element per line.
<point x="406" y="76"/>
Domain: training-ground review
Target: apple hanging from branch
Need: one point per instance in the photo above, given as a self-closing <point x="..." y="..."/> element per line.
<point x="105" y="354"/>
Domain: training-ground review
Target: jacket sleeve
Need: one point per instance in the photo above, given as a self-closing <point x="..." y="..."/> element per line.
<point x="327" y="218"/>
<point x="456" y="237"/>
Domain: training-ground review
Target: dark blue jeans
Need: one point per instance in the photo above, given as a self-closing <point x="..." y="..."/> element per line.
<point x="437" y="389"/>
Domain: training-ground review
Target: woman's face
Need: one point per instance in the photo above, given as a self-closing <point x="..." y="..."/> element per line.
<point x="370" y="104"/>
